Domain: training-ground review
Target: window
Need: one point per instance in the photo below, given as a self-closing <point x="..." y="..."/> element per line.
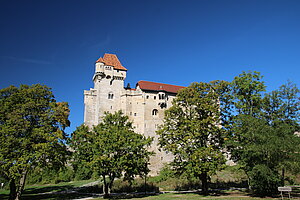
<point x="134" y="114"/>
<point x="161" y="96"/>
<point x="110" y="95"/>
<point x="147" y="97"/>
<point x="154" y="97"/>
<point x="154" y="112"/>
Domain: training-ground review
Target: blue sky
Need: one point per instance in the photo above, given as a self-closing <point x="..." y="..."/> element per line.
<point x="56" y="42"/>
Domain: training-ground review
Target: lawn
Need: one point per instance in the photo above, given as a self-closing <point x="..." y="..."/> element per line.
<point x="63" y="191"/>
<point x="43" y="193"/>
<point x="189" y="196"/>
<point x="50" y="191"/>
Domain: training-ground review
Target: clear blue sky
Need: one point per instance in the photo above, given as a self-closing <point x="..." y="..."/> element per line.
<point x="56" y="42"/>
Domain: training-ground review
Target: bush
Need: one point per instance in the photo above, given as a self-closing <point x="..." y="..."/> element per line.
<point x="138" y="185"/>
<point x="66" y="175"/>
<point x="264" y="181"/>
<point x="45" y="176"/>
<point x="165" y="173"/>
<point x="83" y="172"/>
<point x="169" y="180"/>
<point x="230" y="176"/>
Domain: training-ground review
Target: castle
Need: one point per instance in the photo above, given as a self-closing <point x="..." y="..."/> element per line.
<point x="145" y="104"/>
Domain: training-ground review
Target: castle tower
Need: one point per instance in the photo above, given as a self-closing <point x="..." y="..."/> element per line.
<point x="144" y="105"/>
<point x="108" y="86"/>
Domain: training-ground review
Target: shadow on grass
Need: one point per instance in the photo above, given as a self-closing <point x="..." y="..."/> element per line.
<point x="53" y="193"/>
<point x="52" y="188"/>
<point x="50" y="196"/>
<point x="72" y="192"/>
<point x="132" y="195"/>
<point x="213" y="186"/>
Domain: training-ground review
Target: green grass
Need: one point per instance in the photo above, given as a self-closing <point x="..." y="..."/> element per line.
<point x="34" y="192"/>
<point x="30" y="194"/>
<point x="71" y="184"/>
<point x="188" y="196"/>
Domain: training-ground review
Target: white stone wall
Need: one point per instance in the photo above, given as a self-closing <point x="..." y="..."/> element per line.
<point x="137" y="104"/>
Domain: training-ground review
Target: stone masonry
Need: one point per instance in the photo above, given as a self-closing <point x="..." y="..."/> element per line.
<point x="145" y="104"/>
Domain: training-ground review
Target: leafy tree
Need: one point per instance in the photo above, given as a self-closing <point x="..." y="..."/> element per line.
<point x="263" y="138"/>
<point x="281" y="111"/>
<point x="112" y="149"/>
<point x="31" y="133"/>
<point x="193" y="129"/>
<point x="247" y="90"/>
<point x="80" y="142"/>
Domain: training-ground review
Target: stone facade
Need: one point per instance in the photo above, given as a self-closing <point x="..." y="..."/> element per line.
<point x="145" y="104"/>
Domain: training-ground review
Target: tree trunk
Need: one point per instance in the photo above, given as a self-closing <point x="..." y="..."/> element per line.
<point x="106" y="189"/>
<point x="21" y="185"/>
<point x="203" y="178"/>
<point x="12" y="189"/>
<point x="282" y="176"/>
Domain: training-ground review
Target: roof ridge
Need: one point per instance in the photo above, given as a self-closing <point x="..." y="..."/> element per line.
<point x="161" y="83"/>
<point x="154" y="86"/>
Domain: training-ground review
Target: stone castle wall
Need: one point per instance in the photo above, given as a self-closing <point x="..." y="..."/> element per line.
<point x="143" y="107"/>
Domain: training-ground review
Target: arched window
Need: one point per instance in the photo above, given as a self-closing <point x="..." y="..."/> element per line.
<point x="154" y="112"/>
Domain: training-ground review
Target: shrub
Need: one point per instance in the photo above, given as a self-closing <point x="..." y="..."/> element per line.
<point x="165" y="173"/>
<point x="138" y="185"/>
<point x="264" y="181"/>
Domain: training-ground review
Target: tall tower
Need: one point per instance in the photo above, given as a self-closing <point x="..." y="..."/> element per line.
<point x="108" y="86"/>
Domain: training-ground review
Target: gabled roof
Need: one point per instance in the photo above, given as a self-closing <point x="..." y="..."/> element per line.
<point x="111" y="60"/>
<point x="153" y="86"/>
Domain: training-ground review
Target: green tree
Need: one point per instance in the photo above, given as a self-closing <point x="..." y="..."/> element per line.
<point x="263" y="138"/>
<point x="247" y="90"/>
<point x="281" y="111"/>
<point x="112" y="149"/>
<point x="31" y="133"/>
<point x="81" y="142"/>
<point x="193" y="130"/>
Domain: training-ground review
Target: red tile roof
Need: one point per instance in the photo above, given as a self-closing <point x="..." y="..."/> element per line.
<point x="111" y="60"/>
<point x="147" y="85"/>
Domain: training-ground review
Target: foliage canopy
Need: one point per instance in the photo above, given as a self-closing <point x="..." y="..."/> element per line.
<point x="193" y="129"/>
<point x="112" y="149"/>
<point x="263" y="135"/>
<point x="31" y="133"/>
